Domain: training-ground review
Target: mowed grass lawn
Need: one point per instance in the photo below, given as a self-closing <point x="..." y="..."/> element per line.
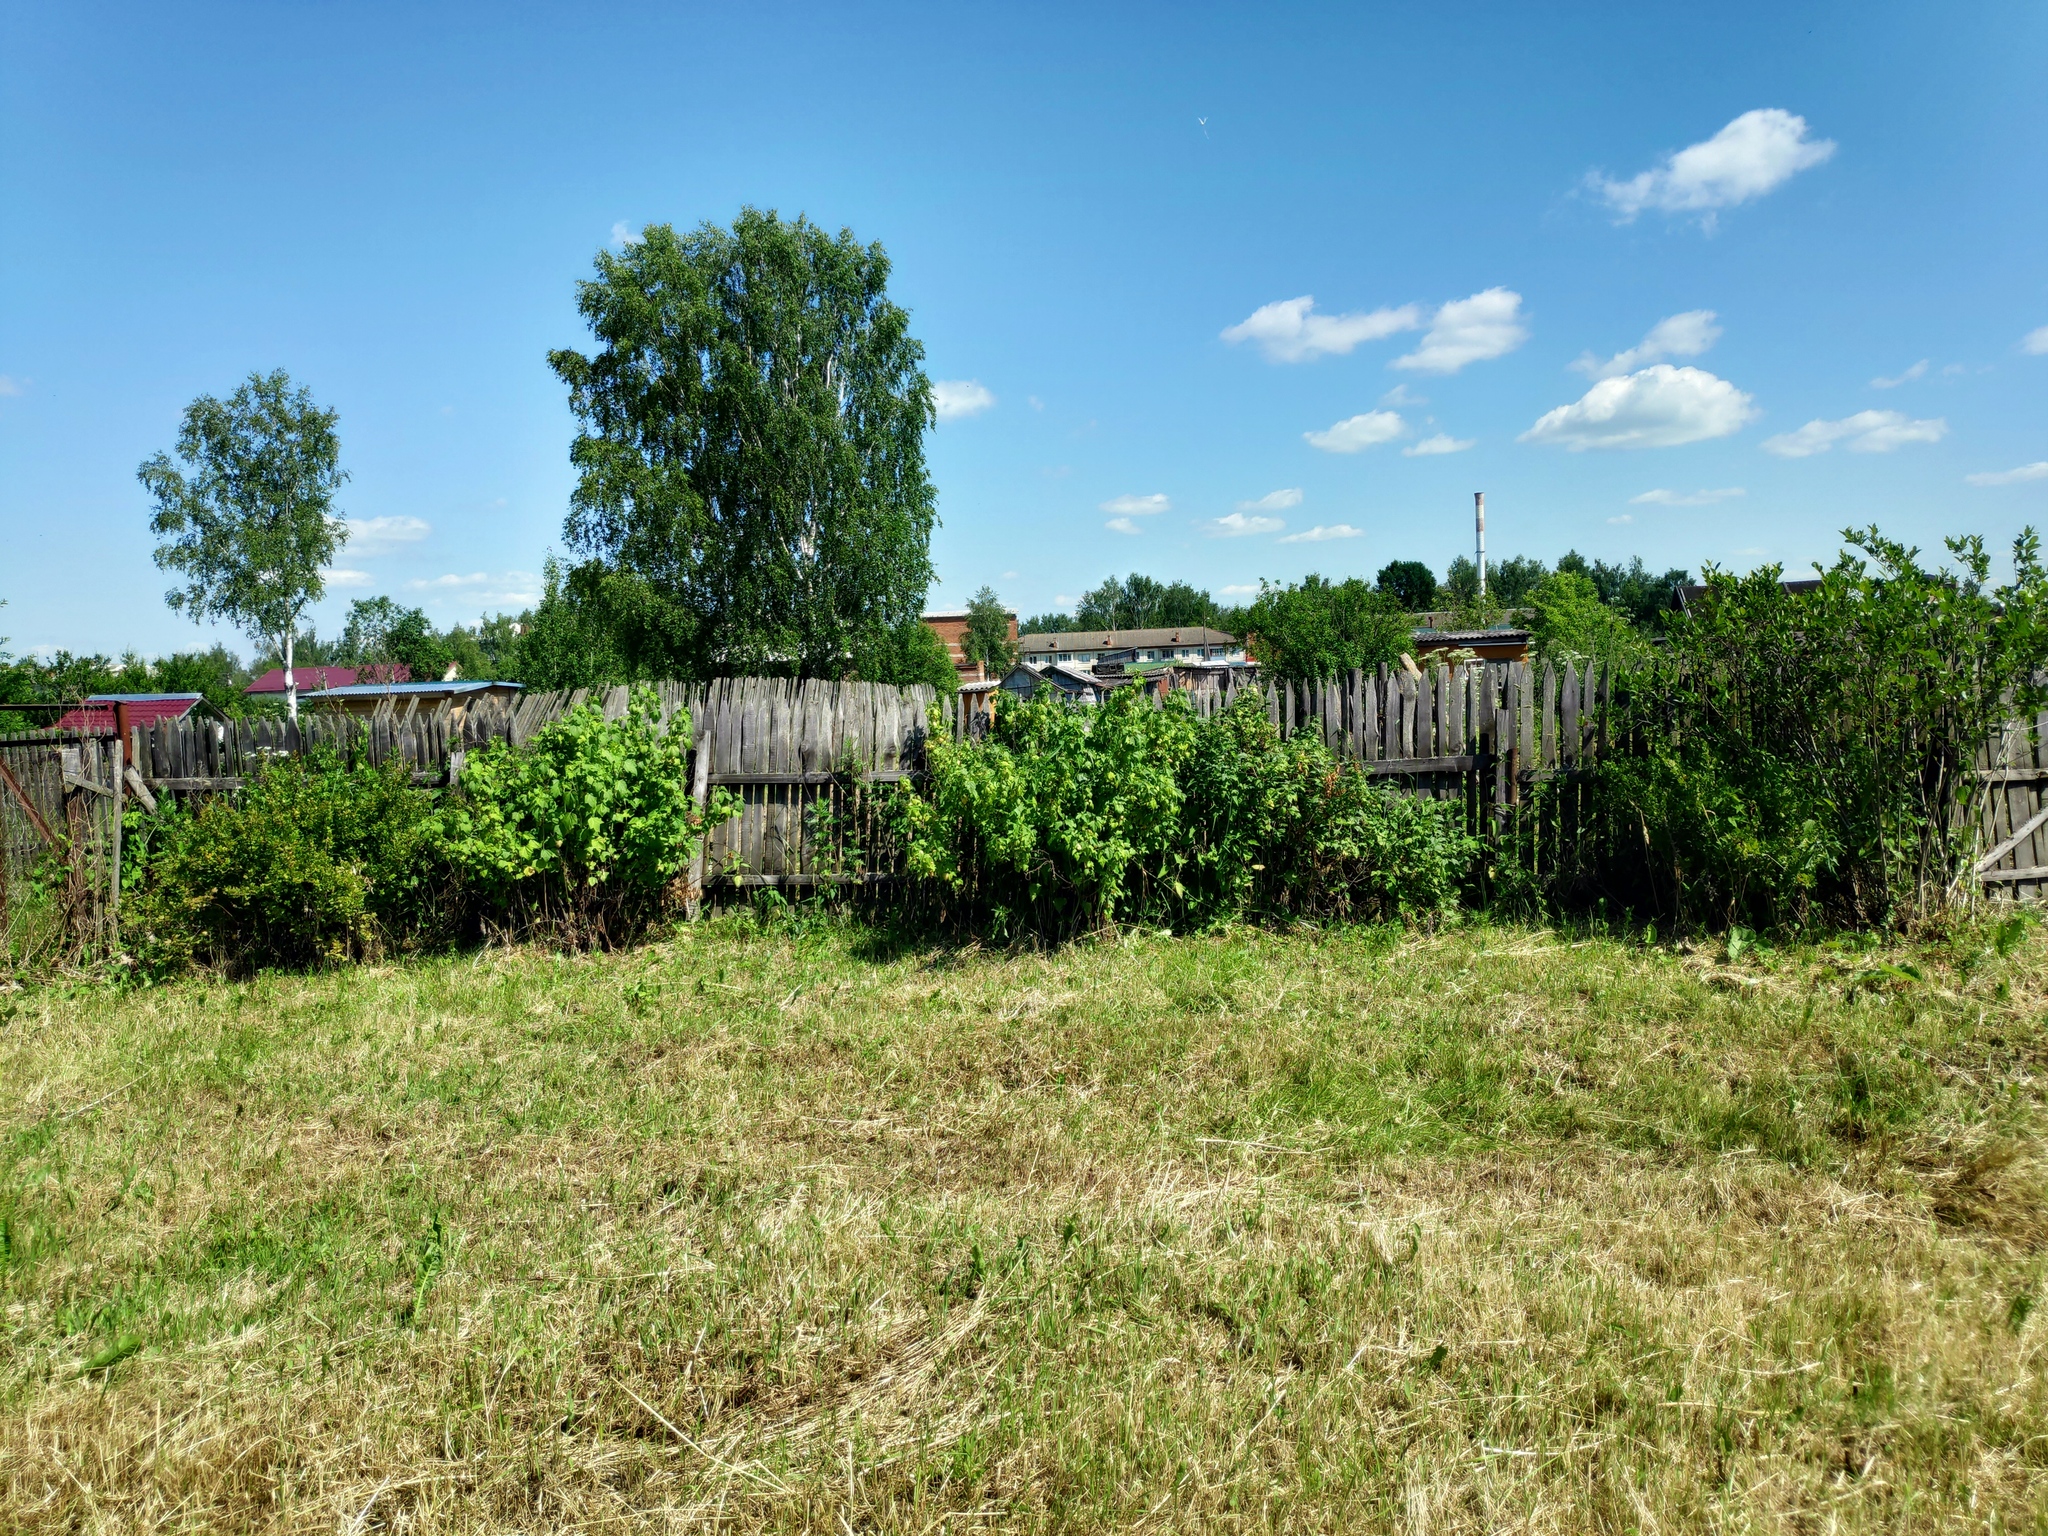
<point x="1496" y="1229"/>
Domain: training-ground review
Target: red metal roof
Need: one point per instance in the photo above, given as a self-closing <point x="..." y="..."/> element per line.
<point x="97" y="712"/>
<point x="315" y="679"/>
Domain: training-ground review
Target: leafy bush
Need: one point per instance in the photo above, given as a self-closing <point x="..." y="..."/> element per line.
<point x="1063" y="820"/>
<point x="587" y="829"/>
<point x="1570" y="623"/>
<point x="313" y="863"/>
<point x="1319" y="628"/>
<point x="1800" y="757"/>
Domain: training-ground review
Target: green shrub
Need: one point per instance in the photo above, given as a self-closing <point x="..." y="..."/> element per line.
<point x="586" y="830"/>
<point x="312" y="863"/>
<point x="1805" y="757"/>
<point x="1063" y="820"/>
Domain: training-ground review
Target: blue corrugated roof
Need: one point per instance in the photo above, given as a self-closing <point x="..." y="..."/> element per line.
<point x="399" y="690"/>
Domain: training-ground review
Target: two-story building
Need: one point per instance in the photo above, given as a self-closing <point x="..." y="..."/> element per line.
<point x="1134" y="647"/>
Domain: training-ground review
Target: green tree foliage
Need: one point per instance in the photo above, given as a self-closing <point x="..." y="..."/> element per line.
<point x="1048" y="624"/>
<point x="382" y="635"/>
<point x="1318" y="628"/>
<point x="1633" y="589"/>
<point x="1570" y="623"/>
<point x="1409" y="583"/>
<point x="215" y="672"/>
<point x="585" y="830"/>
<point x="1807" y="755"/>
<point x="1141" y="602"/>
<point x="988" y="633"/>
<point x="751" y="452"/>
<point x="249" y="519"/>
<point x="909" y="654"/>
<point x="1508" y="582"/>
<point x="1064" y="820"/>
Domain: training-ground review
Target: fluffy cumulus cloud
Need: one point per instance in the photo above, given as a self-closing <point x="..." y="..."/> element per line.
<point x="381" y="535"/>
<point x="1290" y="331"/>
<point x="1686" y="335"/>
<point x="1474" y="330"/>
<point x="1659" y="407"/>
<point x="1354" y="434"/>
<point x="341" y="576"/>
<point x="1122" y="525"/>
<point x="1318" y="534"/>
<point x="1138" y="506"/>
<point x="624" y="234"/>
<point x="1240" y="590"/>
<point x="1273" y="501"/>
<point x="1442" y="442"/>
<point x="954" y="398"/>
<point x="1626" y="517"/>
<point x="1236" y="525"/>
<point x="1759" y="151"/>
<point x="2035" y="342"/>
<point x="1865" y="432"/>
<point x="2009" y="476"/>
<point x="1663" y="498"/>
<point x="1905" y="377"/>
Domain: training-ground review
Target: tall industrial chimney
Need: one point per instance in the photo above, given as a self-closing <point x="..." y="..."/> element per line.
<point x="1479" y="520"/>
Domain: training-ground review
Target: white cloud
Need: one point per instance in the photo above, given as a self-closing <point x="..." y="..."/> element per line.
<point x="1401" y="394"/>
<point x="1907" y="377"/>
<point x="1757" y="152"/>
<point x="1443" y="442"/>
<point x="1240" y="590"/>
<point x="2010" y="476"/>
<point x="1865" y="432"/>
<point x="1355" y="433"/>
<point x="954" y="398"/>
<point x="1663" y="498"/>
<point x="1660" y="407"/>
<point x="2035" y="342"/>
<point x="1122" y="525"/>
<point x="1487" y="325"/>
<point x="483" y="586"/>
<point x="1236" y="525"/>
<point x="1137" y="506"/>
<point x="381" y="535"/>
<point x="341" y="576"/>
<point x="1319" y="534"/>
<point x="1289" y="330"/>
<point x="1625" y="517"/>
<point x="1686" y="335"/>
<point x="1034" y="402"/>
<point x="625" y="234"/>
<point x="10" y="385"/>
<point x="1273" y="501"/>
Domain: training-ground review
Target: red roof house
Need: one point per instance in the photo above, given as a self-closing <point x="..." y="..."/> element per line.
<point x="319" y="679"/>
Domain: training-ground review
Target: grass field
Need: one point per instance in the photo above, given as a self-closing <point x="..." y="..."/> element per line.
<point x="1496" y="1229"/>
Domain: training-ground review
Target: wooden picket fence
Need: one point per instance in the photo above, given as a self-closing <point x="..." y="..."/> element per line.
<point x="805" y="758"/>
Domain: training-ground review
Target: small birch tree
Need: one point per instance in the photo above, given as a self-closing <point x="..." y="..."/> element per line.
<point x="249" y="519"/>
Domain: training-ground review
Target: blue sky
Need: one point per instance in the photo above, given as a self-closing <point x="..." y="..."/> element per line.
<point x="1742" y="216"/>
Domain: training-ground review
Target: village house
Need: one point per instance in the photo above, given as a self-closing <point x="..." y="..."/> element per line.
<point x="1135" y="647"/>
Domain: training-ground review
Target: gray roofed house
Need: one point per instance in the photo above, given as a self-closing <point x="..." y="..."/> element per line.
<point x="1187" y="642"/>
